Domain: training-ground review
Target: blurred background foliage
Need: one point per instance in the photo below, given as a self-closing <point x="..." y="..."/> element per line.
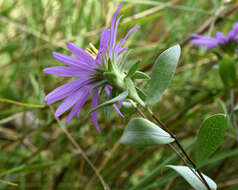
<point x="34" y="151"/>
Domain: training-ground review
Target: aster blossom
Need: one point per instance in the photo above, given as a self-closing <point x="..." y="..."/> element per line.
<point x="221" y="40"/>
<point x="91" y="69"/>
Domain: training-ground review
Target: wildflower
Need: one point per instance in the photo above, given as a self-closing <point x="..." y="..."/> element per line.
<point x="227" y="43"/>
<point x="89" y="68"/>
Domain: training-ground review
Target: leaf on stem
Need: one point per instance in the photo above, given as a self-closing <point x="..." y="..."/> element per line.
<point x="192" y="179"/>
<point x="142" y="133"/>
<point x="118" y="98"/>
<point x="162" y="73"/>
<point x="210" y="136"/>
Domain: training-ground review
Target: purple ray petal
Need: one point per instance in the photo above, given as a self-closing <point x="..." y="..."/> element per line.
<point x="65" y="90"/>
<point x="208" y="43"/>
<point x="119" y="47"/>
<point x="114" y="32"/>
<point x="94" y="104"/>
<point x="84" y="99"/>
<point x="104" y="42"/>
<point x="108" y="90"/>
<point x="233" y="34"/>
<point x="199" y="40"/>
<point x="129" y="32"/>
<point x="117" y="109"/>
<point x="77" y="107"/>
<point x="66" y="71"/>
<point x="72" y="61"/>
<point x="69" y="102"/>
<point x="221" y="38"/>
<point x="81" y="54"/>
<point x="104" y="39"/>
<point x="112" y="28"/>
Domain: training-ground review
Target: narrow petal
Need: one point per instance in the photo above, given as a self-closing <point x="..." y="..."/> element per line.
<point x="65" y="90"/>
<point x="112" y="28"/>
<point x="83" y="100"/>
<point x="80" y="53"/>
<point x="94" y="104"/>
<point x="77" y="107"/>
<point x="117" y="109"/>
<point x="130" y="31"/>
<point x="104" y="39"/>
<point x="69" y="102"/>
<point x="104" y="42"/>
<point x="114" y="33"/>
<point x="207" y="43"/>
<point x="119" y="47"/>
<point x="199" y="40"/>
<point x="233" y="34"/>
<point x="66" y="71"/>
<point x="107" y="90"/>
<point x="221" y="38"/>
<point x="72" y="61"/>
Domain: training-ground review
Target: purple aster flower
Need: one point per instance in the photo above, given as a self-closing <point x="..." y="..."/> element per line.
<point x="220" y="39"/>
<point x="86" y="67"/>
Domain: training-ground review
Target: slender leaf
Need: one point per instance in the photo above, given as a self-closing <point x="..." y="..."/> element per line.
<point x="141" y="75"/>
<point x="133" y="69"/>
<point x="120" y="97"/>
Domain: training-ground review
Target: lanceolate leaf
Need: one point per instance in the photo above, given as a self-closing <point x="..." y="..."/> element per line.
<point x="120" y="97"/>
<point x="141" y="93"/>
<point x="192" y="179"/>
<point x="133" y="69"/>
<point x="211" y="135"/>
<point x="141" y="75"/>
<point x="142" y="132"/>
<point x="162" y="73"/>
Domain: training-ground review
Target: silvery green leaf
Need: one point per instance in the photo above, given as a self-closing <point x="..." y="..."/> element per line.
<point x="192" y="179"/>
<point x="162" y="73"/>
<point x="142" y="132"/>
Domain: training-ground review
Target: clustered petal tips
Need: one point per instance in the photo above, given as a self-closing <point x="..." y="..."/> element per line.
<point x="86" y="65"/>
<point x="219" y="40"/>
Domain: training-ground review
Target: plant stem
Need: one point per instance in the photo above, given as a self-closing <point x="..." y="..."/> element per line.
<point x="198" y="174"/>
<point x="180" y="147"/>
<point x="233" y="114"/>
